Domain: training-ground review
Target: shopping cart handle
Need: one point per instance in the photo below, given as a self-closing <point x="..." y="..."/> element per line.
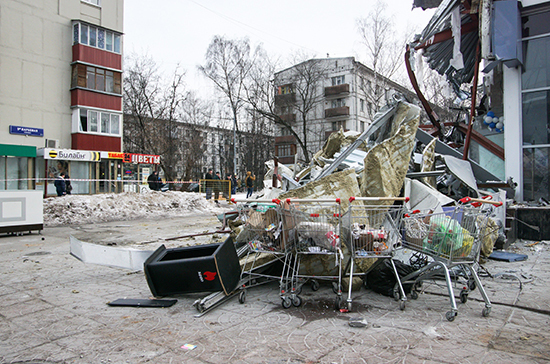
<point x="351" y="199"/>
<point x="234" y="201"/>
<point x="478" y="201"/>
<point x="415" y="212"/>
<point x="276" y="201"/>
<point x="338" y="200"/>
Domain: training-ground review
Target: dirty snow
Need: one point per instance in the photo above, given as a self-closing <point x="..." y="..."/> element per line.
<point x="87" y="209"/>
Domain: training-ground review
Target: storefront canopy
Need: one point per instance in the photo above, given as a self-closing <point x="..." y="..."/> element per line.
<point x="17" y="150"/>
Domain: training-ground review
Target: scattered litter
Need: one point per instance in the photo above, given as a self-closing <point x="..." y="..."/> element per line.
<point x="188" y="347"/>
<point x="137" y="302"/>
<point x="357" y="322"/>
<point x="507" y="256"/>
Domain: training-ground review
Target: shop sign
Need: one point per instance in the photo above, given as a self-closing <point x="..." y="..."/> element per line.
<point x="141" y="158"/>
<point x="23" y="130"/>
<point x="115" y="155"/>
<point x="72" y="155"/>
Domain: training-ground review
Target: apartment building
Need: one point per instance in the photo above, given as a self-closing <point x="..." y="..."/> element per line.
<point x="320" y="96"/>
<point x="61" y="94"/>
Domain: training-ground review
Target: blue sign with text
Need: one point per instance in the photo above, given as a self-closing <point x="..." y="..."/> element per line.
<point x="23" y="130"/>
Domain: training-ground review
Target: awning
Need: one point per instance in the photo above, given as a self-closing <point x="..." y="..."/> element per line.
<point x="17" y="150"/>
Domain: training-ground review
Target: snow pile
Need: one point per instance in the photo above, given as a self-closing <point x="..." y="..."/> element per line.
<point x="87" y="209"/>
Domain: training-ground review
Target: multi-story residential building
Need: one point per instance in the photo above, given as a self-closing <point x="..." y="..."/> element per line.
<point x="61" y="94"/>
<point x="320" y="96"/>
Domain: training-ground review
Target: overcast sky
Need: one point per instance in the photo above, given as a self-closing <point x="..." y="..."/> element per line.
<point x="179" y="31"/>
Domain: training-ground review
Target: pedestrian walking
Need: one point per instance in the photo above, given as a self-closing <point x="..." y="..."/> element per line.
<point x="249" y="182"/>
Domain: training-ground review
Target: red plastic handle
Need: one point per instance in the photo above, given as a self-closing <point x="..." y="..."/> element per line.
<point x="351" y="199"/>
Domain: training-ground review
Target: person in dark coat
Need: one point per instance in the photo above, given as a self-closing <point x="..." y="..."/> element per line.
<point x="209" y="177"/>
<point x="59" y="184"/>
<point x="233" y="185"/>
<point x="249" y="182"/>
<point x="153" y="181"/>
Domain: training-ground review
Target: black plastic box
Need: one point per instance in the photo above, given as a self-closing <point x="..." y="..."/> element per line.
<point x="201" y="268"/>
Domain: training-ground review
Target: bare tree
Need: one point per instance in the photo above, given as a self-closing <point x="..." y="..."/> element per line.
<point x="384" y="54"/>
<point x="196" y="116"/>
<point x="277" y="100"/>
<point x="152" y="112"/>
<point x="228" y="62"/>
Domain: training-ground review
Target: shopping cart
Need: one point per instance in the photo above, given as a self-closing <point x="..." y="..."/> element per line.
<point x="371" y="230"/>
<point x="316" y="225"/>
<point x="452" y="239"/>
<point x="264" y="232"/>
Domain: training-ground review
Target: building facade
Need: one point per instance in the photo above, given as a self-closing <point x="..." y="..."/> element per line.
<point x="320" y="96"/>
<point x="61" y="94"/>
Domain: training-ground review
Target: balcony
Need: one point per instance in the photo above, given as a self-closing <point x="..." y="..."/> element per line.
<point x="285" y="99"/>
<point x="337" y="111"/>
<point x="288" y="118"/>
<point x="285" y="139"/>
<point x="337" y="90"/>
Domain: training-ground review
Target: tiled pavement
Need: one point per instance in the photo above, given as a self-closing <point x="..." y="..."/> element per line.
<point x="53" y="309"/>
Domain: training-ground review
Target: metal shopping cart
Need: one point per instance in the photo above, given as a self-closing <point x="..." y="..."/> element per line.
<point x="265" y="234"/>
<point x="452" y="239"/>
<point x="316" y="224"/>
<point x="371" y="230"/>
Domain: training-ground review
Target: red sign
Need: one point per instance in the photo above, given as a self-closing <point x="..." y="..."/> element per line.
<point x="141" y="158"/>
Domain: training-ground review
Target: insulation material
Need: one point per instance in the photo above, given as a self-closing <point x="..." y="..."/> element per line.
<point x="428" y="162"/>
<point x="336" y="185"/>
<point x="386" y="164"/>
<point x="457" y="62"/>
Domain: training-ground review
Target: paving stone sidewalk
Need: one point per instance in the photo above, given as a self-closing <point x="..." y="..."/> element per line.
<point x="53" y="309"/>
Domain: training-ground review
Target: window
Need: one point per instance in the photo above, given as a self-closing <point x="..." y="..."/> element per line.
<point x="535" y="84"/>
<point x="284" y="90"/>
<point x="338" y="103"/>
<point x="109" y="41"/>
<point x="338" y="80"/>
<point x="284" y="150"/>
<point x="91" y="121"/>
<point x="94" y="36"/>
<point x="96" y="79"/>
<point x="93" y="2"/>
<point x="337" y="125"/>
<point x="362" y="102"/>
<point x="105" y="123"/>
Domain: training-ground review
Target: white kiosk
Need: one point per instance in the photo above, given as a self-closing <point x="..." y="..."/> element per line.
<point x="21" y="210"/>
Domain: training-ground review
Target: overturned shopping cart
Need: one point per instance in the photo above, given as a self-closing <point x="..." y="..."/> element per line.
<point x="452" y="239"/>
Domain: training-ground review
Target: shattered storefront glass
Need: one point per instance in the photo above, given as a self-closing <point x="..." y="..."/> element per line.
<point x="536" y="173"/>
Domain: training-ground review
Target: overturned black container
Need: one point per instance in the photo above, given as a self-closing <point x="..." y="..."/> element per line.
<point x="201" y="268"/>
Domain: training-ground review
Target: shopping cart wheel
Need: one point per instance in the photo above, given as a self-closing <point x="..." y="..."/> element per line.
<point x="414" y="294"/>
<point x="402" y="305"/>
<point x="242" y="296"/>
<point x="349" y="306"/>
<point x="450" y="315"/>
<point x="315" y="285"/>
<point x="396" y="294"/>
<point x="486" y="311"/>
<point x="463" y="296"/>
<point x="297" y="301"/>
<point x="338" y="303"/>
<point x="472" y="284"/>
<point x="287" y="302"/>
